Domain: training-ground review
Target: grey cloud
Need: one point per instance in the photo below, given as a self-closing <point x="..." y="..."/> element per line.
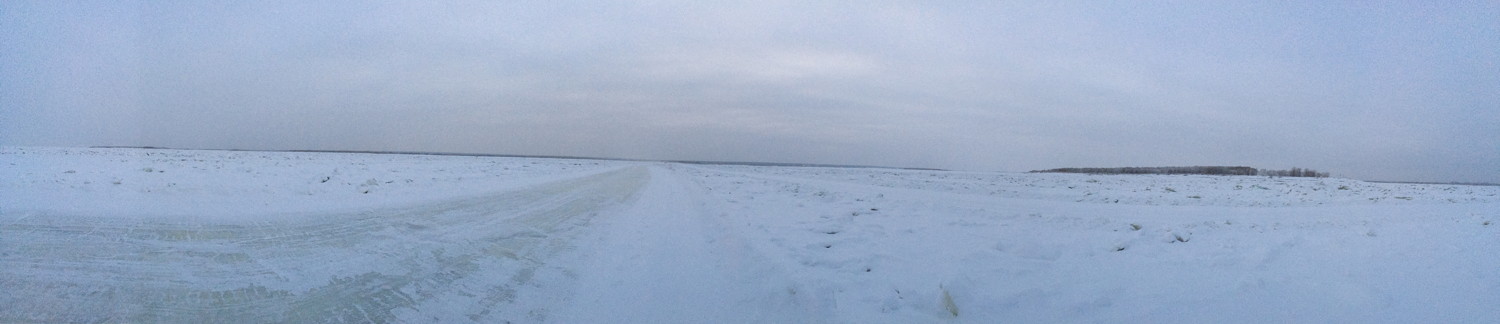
<point x="1371" y="92"/>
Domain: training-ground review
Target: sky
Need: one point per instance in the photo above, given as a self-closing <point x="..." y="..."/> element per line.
<point x="1375" y="90"/>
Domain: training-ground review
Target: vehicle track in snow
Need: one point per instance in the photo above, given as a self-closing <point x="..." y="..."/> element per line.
<point x="458" y="260"/>
<point x="667" y="259"/>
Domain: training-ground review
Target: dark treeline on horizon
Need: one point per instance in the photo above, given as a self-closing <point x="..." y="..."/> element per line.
<point x="1294" y="172"/>
<point x="1205" y="170"/>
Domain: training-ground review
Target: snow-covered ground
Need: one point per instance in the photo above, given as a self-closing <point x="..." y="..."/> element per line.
<point x="132" y="235"/>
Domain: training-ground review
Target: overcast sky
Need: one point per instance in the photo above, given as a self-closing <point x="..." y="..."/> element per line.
<point x="1404" y="90"/>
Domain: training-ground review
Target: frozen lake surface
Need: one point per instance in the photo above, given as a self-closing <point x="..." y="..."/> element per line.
<point x="137" y="235"/>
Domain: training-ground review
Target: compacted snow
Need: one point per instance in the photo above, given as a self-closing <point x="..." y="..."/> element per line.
<point x="144" y="235"/>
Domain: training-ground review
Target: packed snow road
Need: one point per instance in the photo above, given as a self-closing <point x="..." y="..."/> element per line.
<point x="122" y="235"/>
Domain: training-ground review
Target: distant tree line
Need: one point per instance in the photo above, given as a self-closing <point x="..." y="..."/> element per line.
<point x="1294" y="172"/>
<point x="1208" y="170"/>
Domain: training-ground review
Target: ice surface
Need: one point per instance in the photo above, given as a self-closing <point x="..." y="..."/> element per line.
<point x="131" y="235"/>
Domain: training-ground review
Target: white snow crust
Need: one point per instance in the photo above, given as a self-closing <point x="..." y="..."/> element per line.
<point x="183" y="236"/>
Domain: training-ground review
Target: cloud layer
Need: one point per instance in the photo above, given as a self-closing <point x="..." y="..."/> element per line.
<point x="1397" y="91"/>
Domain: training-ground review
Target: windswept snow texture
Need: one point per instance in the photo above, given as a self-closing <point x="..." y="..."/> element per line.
<point x="131" y="235"/>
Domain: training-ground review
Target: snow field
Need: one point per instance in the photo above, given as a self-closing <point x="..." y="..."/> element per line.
<point x="896" y="251"/>
<point x="230" y="185"/>
<point x="210" y="236"/>
<point x="448" y="260"/>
